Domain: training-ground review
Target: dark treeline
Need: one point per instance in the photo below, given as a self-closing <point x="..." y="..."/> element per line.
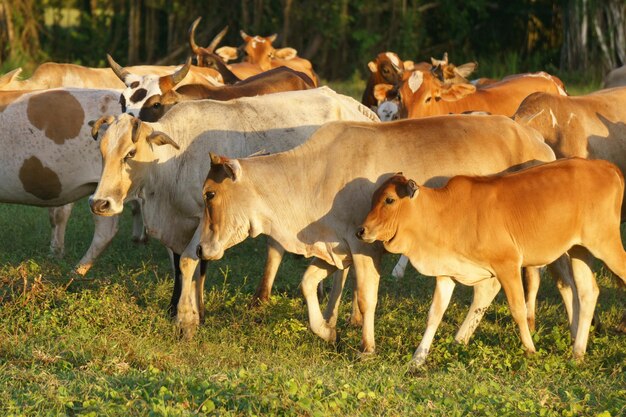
<point x="338" y="36"/>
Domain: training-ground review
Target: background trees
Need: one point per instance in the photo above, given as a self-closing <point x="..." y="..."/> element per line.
<point x="339" y="36"/>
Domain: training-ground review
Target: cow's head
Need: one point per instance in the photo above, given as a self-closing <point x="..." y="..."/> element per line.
<point x="259" y="49"/>
<point x="389" y="102"/>
<point x="148" y="96"/>
<point x="388" y="68"/>
<point x="128" y="147"/>
<point x="206" y="56"/>
<point x="389" y="204"/>
<point x="226" y="197"/>
<point x="449" y="73"/>
<point x="421" y="93"/>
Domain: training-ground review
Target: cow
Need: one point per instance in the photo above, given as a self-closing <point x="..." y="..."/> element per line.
<point x="422" y="94"/>
<point x="171" y="188"/>
<point x="615" y="78"/>
<point x="260" y="51"/>
<point x="47" y="160"/>
<point x="53" y="75"/>
<point x="476" y="229"/>
<point x="590" y="126"/>
<point x="386" y="68"/>
<point x="316" y="214"/>
<point x="209" y="57"/>
<point x="149" y="97"/>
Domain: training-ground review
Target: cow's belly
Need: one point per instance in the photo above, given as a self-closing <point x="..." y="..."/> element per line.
<point x="463" y="270"/>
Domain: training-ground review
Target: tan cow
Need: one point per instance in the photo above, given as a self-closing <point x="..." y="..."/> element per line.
<point x="48" y="158"/>
<point x="53" y="75"/>
<point x="478" y="228"/>
<point x="325" y="187"/>
<point x="422" y="94"/>
<point x="386" y="68"/>
<point x="164" y="164"/>
<point x="591" y="126"/>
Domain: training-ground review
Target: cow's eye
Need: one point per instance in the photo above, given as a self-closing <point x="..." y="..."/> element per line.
<point x="428" y="99"/>
<point x="209" y="195"/>
<point x="389" y="200"/>
<point x="130" y="154"/>
<point x="156" y="105"/>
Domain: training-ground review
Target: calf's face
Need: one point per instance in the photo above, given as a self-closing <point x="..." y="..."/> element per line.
<point x="389" y="203"/>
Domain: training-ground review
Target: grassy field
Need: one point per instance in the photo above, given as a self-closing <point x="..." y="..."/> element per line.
<point x="104" y="346"/>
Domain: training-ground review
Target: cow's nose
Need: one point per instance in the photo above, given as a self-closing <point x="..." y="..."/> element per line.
<point x="99" y="206"/>
<point x="199" y="251"/>
<point x="360" y="231"/>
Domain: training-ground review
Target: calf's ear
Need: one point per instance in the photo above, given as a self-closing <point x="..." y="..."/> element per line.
<point x="381" y="90"/>
<point x="412" y="188"/>
<point x="285" y="53"/>
<point x="372" y="66"/>
<point x="160" y="138"/>
<point x="457" y="91"/>
<point x="227" y="53"/>
<point x="232" y="169"/>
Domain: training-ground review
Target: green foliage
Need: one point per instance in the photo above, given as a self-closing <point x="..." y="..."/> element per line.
<point x="104" y="346"/>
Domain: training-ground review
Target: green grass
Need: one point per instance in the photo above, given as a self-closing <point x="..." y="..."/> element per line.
<point x="104" y="346"/>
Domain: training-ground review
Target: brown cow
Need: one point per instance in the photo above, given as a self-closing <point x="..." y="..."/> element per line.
<point x="150" y="97"/>
<point x="422" y="94"/>
<point x="480" y="228"/>
<point x="386" y="68"/>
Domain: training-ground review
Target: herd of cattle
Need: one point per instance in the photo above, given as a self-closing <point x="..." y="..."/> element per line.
<point x="183" y="145"/>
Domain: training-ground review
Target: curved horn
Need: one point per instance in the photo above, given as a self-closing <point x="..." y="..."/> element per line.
<point x="95" y="127"/>
<point x="192" y="34"/>
<point x="244" y="35"/>
<point x="217" y="39"/>
<point x="117" y="69"/>
<point x="179" y="75"/>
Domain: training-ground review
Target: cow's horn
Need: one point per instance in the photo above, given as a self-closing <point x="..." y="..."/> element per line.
<point x="217" y="39"/>
<point x="179" y="75"/>
<point x="95" y="126"/>
<point x="117" y="69"/>
<point x="192" y="35"/>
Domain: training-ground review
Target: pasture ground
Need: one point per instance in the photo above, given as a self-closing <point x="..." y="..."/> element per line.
<point x="104" y="345"/>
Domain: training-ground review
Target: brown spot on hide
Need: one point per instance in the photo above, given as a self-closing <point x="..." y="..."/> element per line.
<point x="104" y="104"/>
<point x="38" y="180"/>
<point x="138" y="95"/>
<point x="57" y="113"/>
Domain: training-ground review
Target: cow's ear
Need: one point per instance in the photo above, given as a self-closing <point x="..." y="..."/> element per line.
<point x="372" y="66"/>
<point x="466" y="69"/>
<point x="415" y="80"/>
<point x="232" y="169"/>
<point x="97" y="124"/>
<point x="285" y="53"/>
<point x="457" y="91"/>
<point x="412" y="189"/>
<point x="381" y="90"/>
<point x="227" y="53"/>
<point x="409" y="65"/>
<point x="159" y="138"/>
<point x="272" y="38"/>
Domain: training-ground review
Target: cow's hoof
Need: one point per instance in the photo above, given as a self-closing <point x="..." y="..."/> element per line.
<point x="367" y="355"/>
<point x="356" y="320"/>
<point x="140" y="240"/>
<point x="56" y="253"/>
<point x="416" y="366"/>
<point x="187" y="324"/>
<point x="397" y="273"/>
<point x="82" y="269"/>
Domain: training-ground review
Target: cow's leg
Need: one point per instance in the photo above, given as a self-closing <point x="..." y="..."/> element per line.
<point x="275" y="254"/>
<point x="484" y="293"/>
<point x="356" y="317"/>
<point x="58" y="220"/>
<point x="200" y="289"/>
<point x="441" y="299"/>
<point x="511" y="280"/>
<point x="561" y="271"/>
<point x="367" y="269"/>
<point x="582" y="262"/>
<point x="139" y="230"/>
<point x="400" y="268"/>
<point x="175" y="258"/>
<point x="104" y="230"/>
<point x="315" y="273"/>
<point x="188" y="314"/>
<point x="532" y="280"/>
<point x="334" y="298"/>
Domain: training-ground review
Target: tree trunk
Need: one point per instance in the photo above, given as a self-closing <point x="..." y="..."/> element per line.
<point x="134" y="30"/>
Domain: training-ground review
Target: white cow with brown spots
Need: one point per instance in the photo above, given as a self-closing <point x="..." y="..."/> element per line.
<point x="48" y="158"/>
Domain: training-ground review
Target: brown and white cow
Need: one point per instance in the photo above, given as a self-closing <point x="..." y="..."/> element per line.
<point x="179" y="142"/>
<point x="476" y="229"/>
<point x="48" y="160"/>
<point x="590" y="126"/>
<point x="53" y="75"/>
<point x="423" y="94"/>
<point x="150" y="97"/>
<point x="211" y="58"/>
<point x="316" y="214"/>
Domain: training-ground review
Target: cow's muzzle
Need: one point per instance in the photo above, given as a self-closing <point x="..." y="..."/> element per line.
<point x="100" y="206"/>
<point x="207" y="253"/>
<point x="363" y="234"/>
